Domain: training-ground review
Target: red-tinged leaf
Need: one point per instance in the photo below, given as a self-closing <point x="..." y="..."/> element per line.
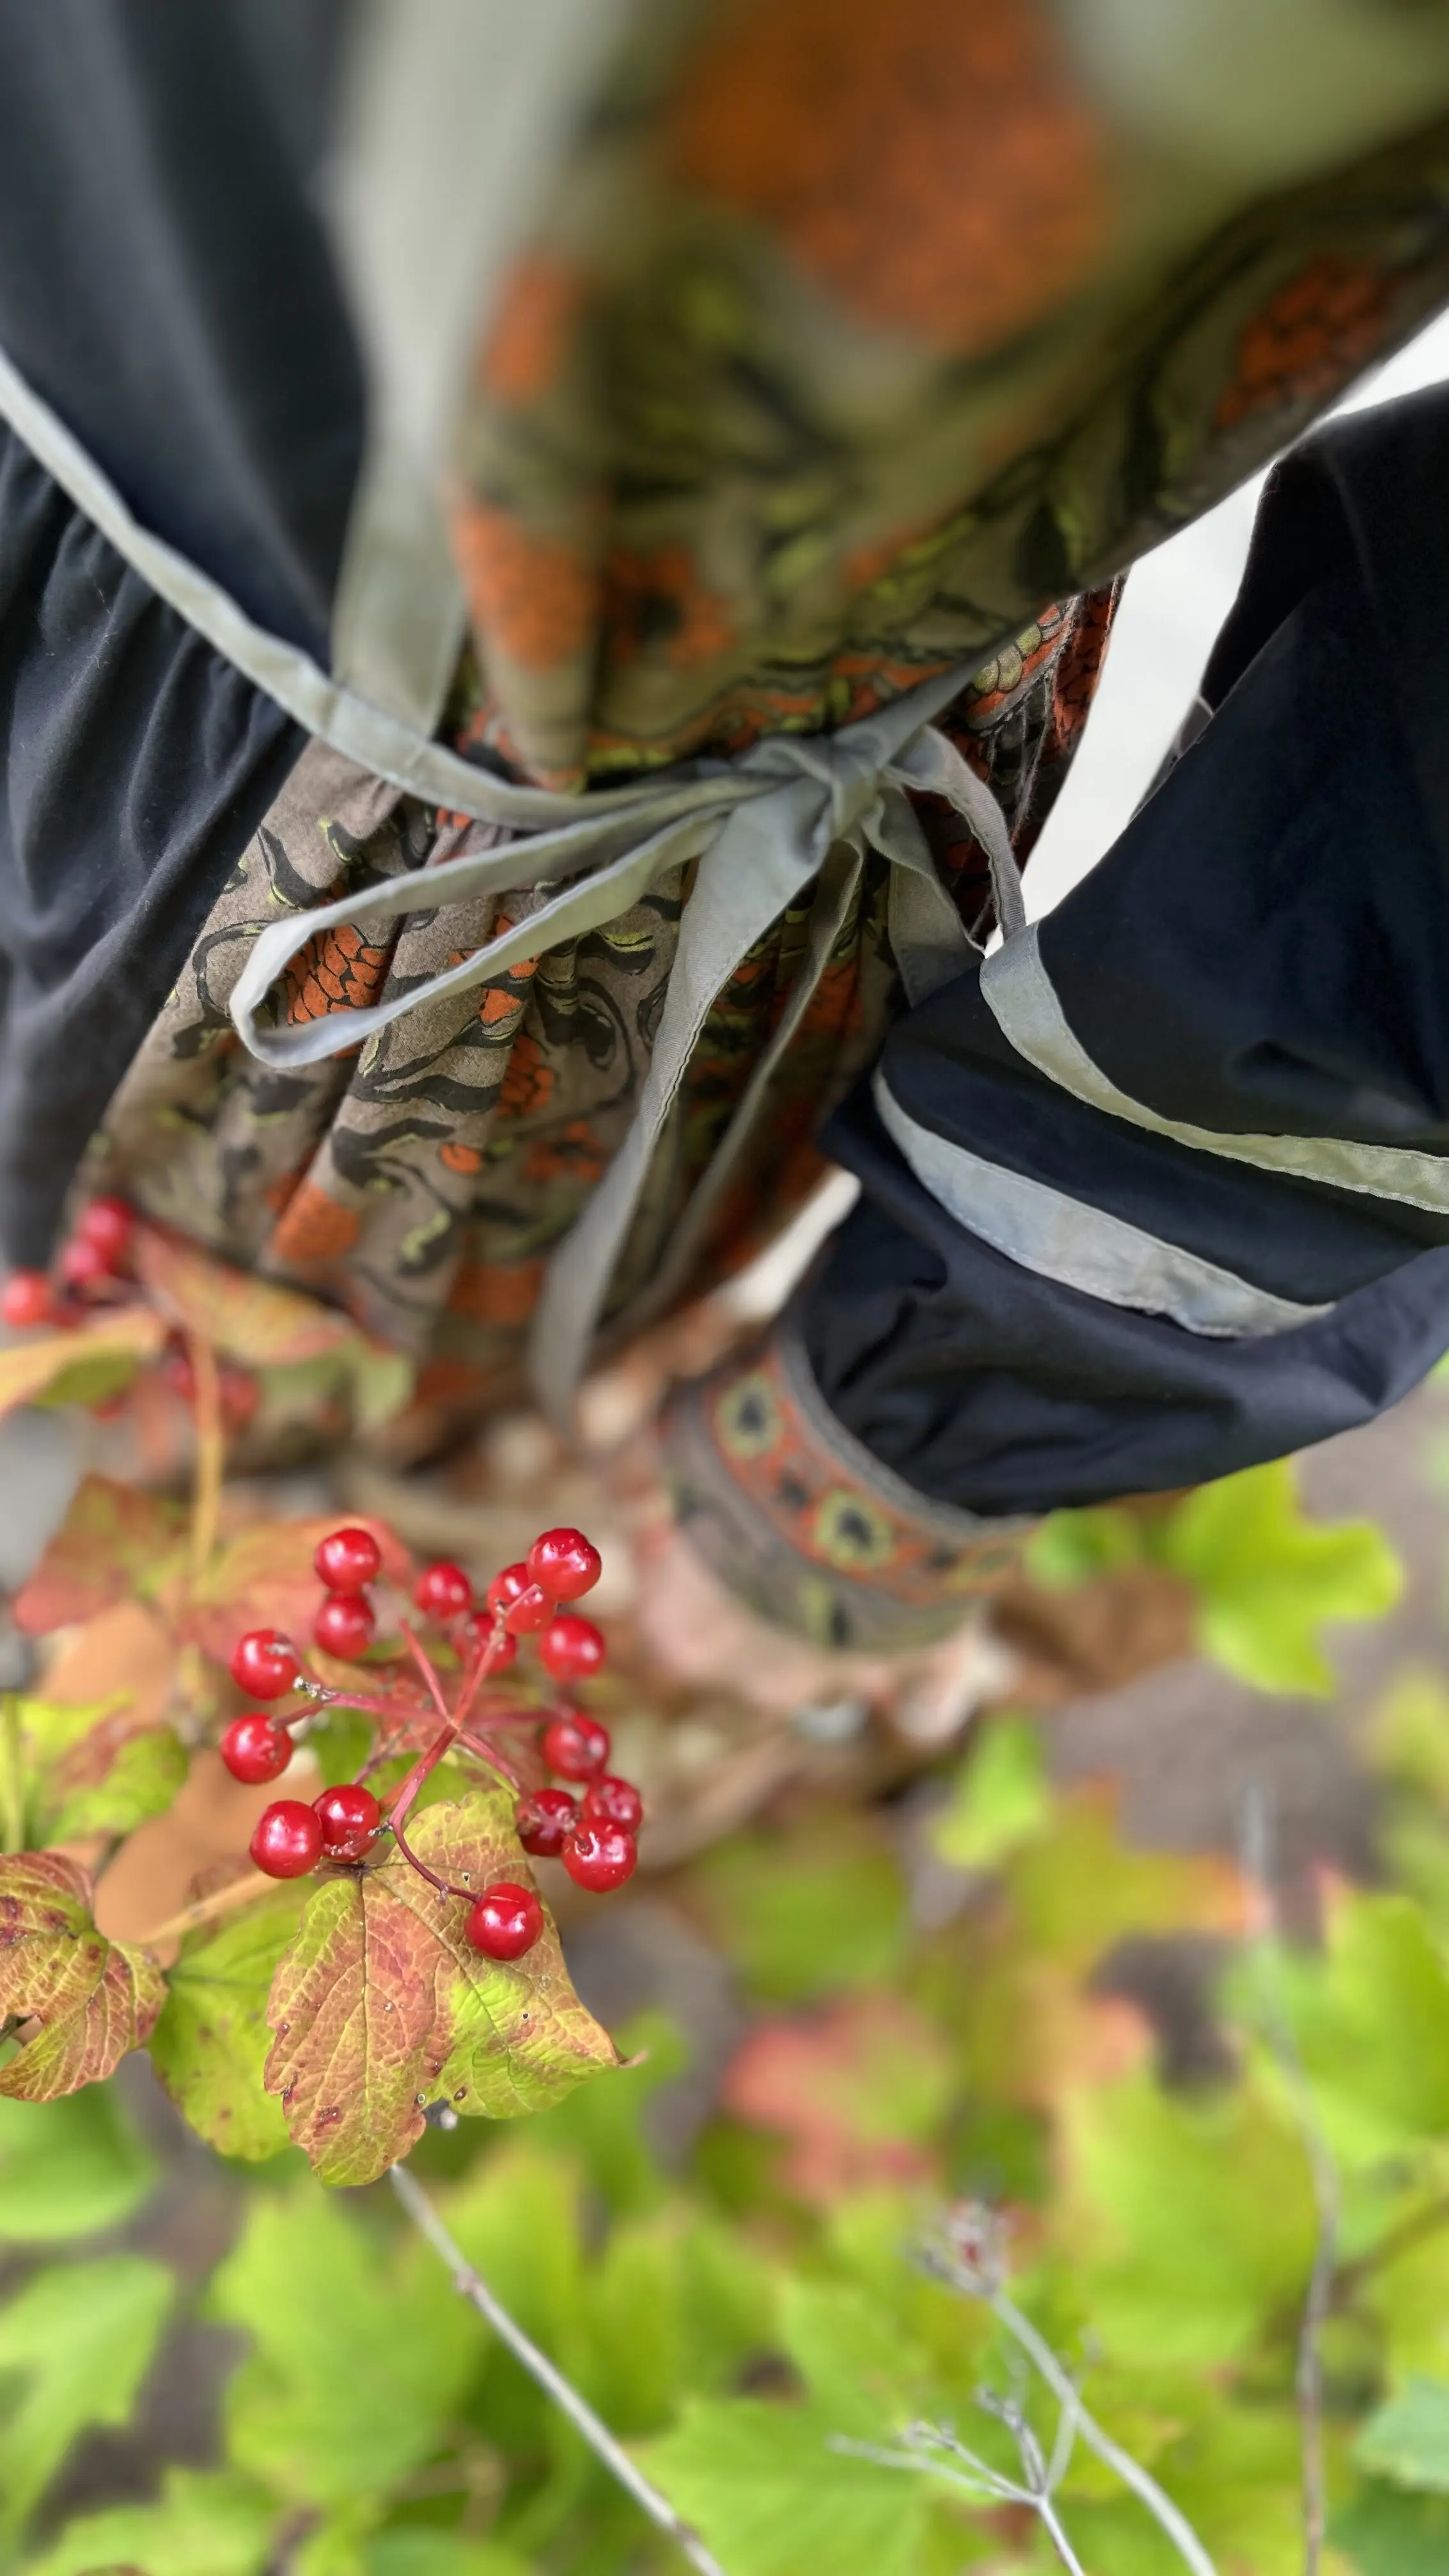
<point x="114" y="1543"/>
<point x="250" y="1319"/>
<point x="93" y="1999"/>
<point x="380" y="2006"/>
<point x="31" y="1369"/>
<point x="858" y="2089"/>
<point x="264" y="1578"/>
<point x="97" y="1770"/>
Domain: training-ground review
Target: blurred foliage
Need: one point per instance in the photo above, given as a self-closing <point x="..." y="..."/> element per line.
<point x="1266" y="1577"/>
<point x="733" y="2310"/>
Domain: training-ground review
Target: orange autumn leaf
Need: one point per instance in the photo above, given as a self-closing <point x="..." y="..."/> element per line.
<point x="92" y="1999"/>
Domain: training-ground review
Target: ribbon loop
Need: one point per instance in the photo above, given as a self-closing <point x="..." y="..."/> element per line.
<point x="762" y="828"/>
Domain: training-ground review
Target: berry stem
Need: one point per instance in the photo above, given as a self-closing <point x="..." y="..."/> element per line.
<point x="407" y="1788"/>
<point x="222" y="1900"/>
<point x="425" y="1667"/>
<point x="470" y="2285"/>
<point x="444" y="1886"/>
<point x="210" y="1453"/>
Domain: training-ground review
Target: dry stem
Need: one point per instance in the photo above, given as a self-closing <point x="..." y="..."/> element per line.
<point x="223" y="1900"/>
<point x="551" y="2380"/>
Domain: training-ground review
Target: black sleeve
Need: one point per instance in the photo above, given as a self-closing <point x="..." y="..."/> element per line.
<point x="1204" y="1220"/>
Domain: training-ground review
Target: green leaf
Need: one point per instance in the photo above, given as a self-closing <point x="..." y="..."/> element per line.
<point x="356" y="2366"/>
<point x="1191" y="2222"/>
<point x="1371" y="2017"/>
<point x="380" y="2005"/>
<point x="31" y="1369"/>
<point x="1072" y="1547"/>
<point x="1000" y="1797"/>
<point x="438" y="2553"/>
<point x="1408" y="2439"/>
<point x="210" y="2045"/>
<point x="1269" y="1578"/>
<point x="69" y="2168"/>
<point x="806" y="1914"/>
<point x="82" y="2338"/>
<point x="204" y="2525"/>
<point x="116" y="1543"/>
<point x="1407" y="1739"/>
<point x="92" y="1770"/>
<point x="94" y="1999"/>
<point x="1386" y="2532"/>
<point x="773" y="2499"/>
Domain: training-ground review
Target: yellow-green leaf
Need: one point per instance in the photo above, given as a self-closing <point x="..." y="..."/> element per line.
<point x="380" y="2005"/>
<point x="210" y="2045"/>
<point x="1269" y="1578"/>
<point x="93" y="1999"/>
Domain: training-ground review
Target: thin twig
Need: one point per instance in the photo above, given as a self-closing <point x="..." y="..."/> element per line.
<point x="210" y="1453"/>
<point x="542" y="2371"/>
<point x="1318" y="2298"/>
<point x="223" y="1900"/>
<point x="1145" y="2487"/>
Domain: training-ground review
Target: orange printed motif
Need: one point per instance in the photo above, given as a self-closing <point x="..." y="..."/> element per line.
<point x="529" y="1082"/>
<point x="930" y="163"/>
<point x="496" y="1292"/>
<point x="525" y="354"/>
<point x="1309" y="339"/>
<point x="313" y="1227"/>
<point x="530" y="596"/>
<point x="339" y="970"/>
<point x="659" y="601"/>
<point x="460" y="1158"/>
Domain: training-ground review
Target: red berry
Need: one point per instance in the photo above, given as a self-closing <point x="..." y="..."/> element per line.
<point x="480" y="1629"/>
<point x="505" y="1588"/>
<point x="107" y="1223"/>
<point x="443" y="1591"/>
<point x="506" y="1921"/>
<point x="350" y="1816"/>
<point x="27" y="1298"/>
<point x="179" y="1374"/>
<point x="532" y="1609"/>
<point x="347" y="1560"/>
<point x="82" y="1263"/>
<point x="599" y="1856"/>
<point x="571" y="1647"/>
<point x="611" y="1801"/>
<point x="255" y="1748"/>
<point x="542" y="1820"/>
<point x="264" y="1664"/>
<point x="565" y="1563"/>
<point x="343" y="1625"/>
<point x="240" y="1394"/>
<point x="288" y="1839"/>
<point x="575" y="1747"/>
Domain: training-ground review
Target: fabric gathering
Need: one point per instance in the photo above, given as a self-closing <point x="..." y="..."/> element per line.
<point x="553" y="566"/>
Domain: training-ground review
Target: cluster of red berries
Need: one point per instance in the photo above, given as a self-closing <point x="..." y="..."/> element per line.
<point x="96" y="1253"/>
<point x="593" y="1835"/>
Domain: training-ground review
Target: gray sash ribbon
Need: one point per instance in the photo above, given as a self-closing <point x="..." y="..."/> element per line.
<point x="791" y="811"/>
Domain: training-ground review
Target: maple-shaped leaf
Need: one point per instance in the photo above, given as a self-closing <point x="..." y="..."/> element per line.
<point x="115" y="1542"/>
<point x="94" y="1999"/>
<point x="859" y="2089"/>
<point x="210" y="2045"/>
<point x="115" y="1344"/>
<point x="263" y="1577"/>
<point x="83" y="1771"/>
<point x="380" y="2006"/>
<point x="264" y="1325"/>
